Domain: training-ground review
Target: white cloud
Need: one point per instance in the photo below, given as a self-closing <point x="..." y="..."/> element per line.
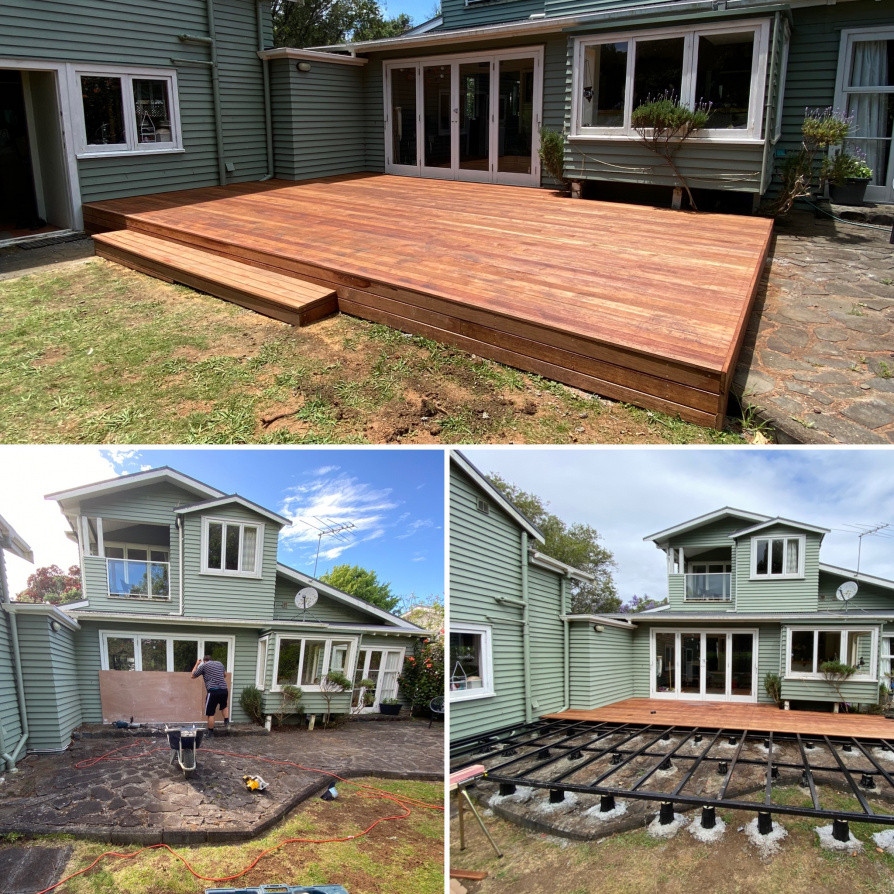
<point x="414" y="526"/>
<point x="325" y="470"/>
<point x="419" y="557"/>
<point x="31" y="472"/>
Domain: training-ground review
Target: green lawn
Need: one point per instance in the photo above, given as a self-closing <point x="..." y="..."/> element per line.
<point x="398" y="856"/>
<point x="100" y="354"/>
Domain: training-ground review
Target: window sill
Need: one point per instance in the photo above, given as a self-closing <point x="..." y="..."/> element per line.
<point x="856" y="678"/>
<point x="131" y="598"/>
<point x="244" y="575"/>
<point x="471" y="695"/>
<point x="758" y="578"/>
<point x="633" y="137"/>
<point x="119" y="153"/>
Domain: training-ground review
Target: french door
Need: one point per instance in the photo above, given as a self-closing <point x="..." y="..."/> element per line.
<point x="711" y="665"/>
<point x="471" y="118"/>
<point x="382" y="667"/>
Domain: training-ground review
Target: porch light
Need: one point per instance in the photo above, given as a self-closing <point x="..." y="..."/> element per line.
<point x="303" y="66"/>
<point x="599" y="628"/>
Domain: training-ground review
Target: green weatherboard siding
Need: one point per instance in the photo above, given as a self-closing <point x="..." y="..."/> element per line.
<point x="602" y="665"/>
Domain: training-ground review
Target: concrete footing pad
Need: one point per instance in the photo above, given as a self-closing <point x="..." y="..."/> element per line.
<point x="766" y="844"/>
<point x="656" y="830"/>
<point x="833" y="844"/>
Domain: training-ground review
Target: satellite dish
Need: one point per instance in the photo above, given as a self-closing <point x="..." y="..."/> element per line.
<point x="846" y="591"/>
<point x="306" y="598"/>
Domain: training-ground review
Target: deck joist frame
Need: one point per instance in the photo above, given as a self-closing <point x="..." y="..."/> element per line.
<point x="637" y="304"/>
<point x="544" y="754"/>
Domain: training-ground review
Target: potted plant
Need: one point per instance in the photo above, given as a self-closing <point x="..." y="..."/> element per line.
<point x="848" y="176"/>
<point x="390" y="706"/>
<point x="369" y="692"/>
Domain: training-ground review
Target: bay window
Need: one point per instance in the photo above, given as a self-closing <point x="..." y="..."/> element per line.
<point x="161" y="652"/>
<point x="231" y="547"/>
<point x="777" y="557"/>
<point x="123" y="112"/>
<point x="305" y="661"/>
<point x="809" y="649"/>
<point x="724" y="65"/>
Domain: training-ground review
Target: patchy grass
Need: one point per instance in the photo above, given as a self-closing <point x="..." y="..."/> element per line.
<point x="101" y="354"/>
<point x="396" y="857"/>
<point x="635" y="863"/>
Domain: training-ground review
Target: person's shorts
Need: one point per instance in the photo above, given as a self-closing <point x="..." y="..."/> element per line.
<point x="217" y="698"/>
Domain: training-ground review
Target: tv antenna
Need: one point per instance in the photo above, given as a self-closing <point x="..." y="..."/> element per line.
<point x="327" y="527"/>
<point x="864" y="531"/>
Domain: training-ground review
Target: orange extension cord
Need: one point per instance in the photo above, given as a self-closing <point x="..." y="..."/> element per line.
<point x="367" y="791"/>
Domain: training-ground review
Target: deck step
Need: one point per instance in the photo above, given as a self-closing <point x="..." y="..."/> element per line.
<point x="273" y="294"/>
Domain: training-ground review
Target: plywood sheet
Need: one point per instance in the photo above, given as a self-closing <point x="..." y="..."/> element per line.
<point x="152" y="696"/>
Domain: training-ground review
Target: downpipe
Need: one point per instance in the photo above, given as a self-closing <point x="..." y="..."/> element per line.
<point x="526" y="644"/>
<point x="268" y="109"/>
<point x="12" y="757"/>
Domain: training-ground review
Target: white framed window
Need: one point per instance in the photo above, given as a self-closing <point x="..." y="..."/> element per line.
<point x="471" y="662"/>
<point x="304" y="661"/>
<point x="137" y="571"/>
<point x="261" y="669"/>
<point x="125" y="111"/>
<point x="231" y="548"/>
<point x="777" y="558"/>
<point x="175" y="653"/>
<point x="808" y="649"/>
<point x="724" y="64"/>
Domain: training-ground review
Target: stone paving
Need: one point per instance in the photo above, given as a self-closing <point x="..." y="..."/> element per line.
<point x="146" y="800"/>
<point x="818" y="359"/>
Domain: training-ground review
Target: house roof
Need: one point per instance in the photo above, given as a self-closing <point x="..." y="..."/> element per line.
<point x="229" y="500"/>
<point x="622" y="12"/>
<point x="137" y="479"/>
<point x="306" y="580"/>
<point x="555" y="565"/>
<point x="696" y="618"/>
<point x="716" y="515"/>
<point x="625" y="622"/>
<point x="787" y="522"/>
<point x="54" y="612"/>
<point x="14" y="543"/>
<point x="479" y="478"/>
<point x="846" y="574"/>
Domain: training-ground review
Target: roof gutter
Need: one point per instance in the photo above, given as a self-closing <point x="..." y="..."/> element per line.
<point x="601" y="619"/>
<point x="544" y="561"/>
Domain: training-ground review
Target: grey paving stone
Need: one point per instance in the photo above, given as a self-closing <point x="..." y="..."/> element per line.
<point x="872" y="414"/>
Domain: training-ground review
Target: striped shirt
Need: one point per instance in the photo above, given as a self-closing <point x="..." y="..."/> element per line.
<point x="214" y="674"/>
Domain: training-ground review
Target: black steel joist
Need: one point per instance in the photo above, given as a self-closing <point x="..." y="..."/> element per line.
<point x="626" y="760"/>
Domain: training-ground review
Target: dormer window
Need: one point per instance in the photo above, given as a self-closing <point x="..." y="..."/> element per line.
<point x="777" y="557"/>
<point x="231" y="548"/>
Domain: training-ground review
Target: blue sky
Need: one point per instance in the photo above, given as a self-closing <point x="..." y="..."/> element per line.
<point x="419" y="10"/>
<point x="627" y="494"/>
<point x="395" y="498"/>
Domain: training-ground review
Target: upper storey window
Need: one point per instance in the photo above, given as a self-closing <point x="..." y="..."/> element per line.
<point x="231" y="547"/>
<point x="724" y="65"/>
<point x="777" y="557"/>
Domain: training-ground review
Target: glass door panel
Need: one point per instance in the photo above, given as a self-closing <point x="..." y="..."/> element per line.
<point x="402" y="110"/>
<point x="515" y="121"/>
<point x="742" y="683"/>
<point x="391" y="667"/>
<point x="715" y="664"/>
<point x="665" y="663"/>
<point x="437" y="116"/>
<point x="690" y="663"/>
<point x="474" y="121"/>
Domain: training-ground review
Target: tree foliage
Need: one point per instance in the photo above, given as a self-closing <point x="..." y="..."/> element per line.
<point x="577" y="545"/>
<point x="53" y="585"/>
<point x="422" y="677"/>
<point x="314" y="23"/>
<point x="363" y="584"/>
<point x="642" y="604"/>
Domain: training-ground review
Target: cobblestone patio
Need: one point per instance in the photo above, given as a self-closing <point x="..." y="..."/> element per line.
<point x="146" y="800"/>
<point x="818" y="358"/>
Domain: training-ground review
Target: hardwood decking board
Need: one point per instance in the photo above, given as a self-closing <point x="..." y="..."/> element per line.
<point x="732" y="716"/>
<point x="647" y="303"/>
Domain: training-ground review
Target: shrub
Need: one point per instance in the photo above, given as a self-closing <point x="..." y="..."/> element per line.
<point x="552" y="154"/>
<point x="773" y="687"/>
<point x="844" y="165"/>
<point x="835" y="673"/>
<point x="252" y="701"/>
<point x="331" y="684"/>
<point x="290" y="703"/>
<point x="422" y="678"/>
<point x="825" y="127"/>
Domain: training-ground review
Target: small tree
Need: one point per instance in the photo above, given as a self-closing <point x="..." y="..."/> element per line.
<point x="422" y="678"/>
<point x="639" y="604"/>
<point x="835" y="673"/>
<point x="53" y="585"/>
<point x="664" y="124"/>
<point x="552" y="154"/>
<point x="773" y="686"/>
<point x="252" y="701"/>
<point x="290" y="703"/>
<point x="333" y="683"/>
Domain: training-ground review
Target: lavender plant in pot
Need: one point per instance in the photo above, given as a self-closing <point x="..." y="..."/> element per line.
<point x="848" y="176"/>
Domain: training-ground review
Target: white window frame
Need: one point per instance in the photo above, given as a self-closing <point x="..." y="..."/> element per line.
<point x="352" y="642"/>
<point x="261" y="667"/>
<point x="105" y="635"/>
<point x="131" y="146"/>
<point x="486" y="689"/>
<point x="104" y="546"/>
<point x="871" y="670"/>
<point x="750" y="134"/>
<point x="208" y="520"/>
<point x="799" y="574"/>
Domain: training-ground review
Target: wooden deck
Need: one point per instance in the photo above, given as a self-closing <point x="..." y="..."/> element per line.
<point x="735" y="716"/>
<point x="637" y="304"/>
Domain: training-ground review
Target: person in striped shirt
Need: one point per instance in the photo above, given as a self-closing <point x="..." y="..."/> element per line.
<point x="217" y="694"/>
